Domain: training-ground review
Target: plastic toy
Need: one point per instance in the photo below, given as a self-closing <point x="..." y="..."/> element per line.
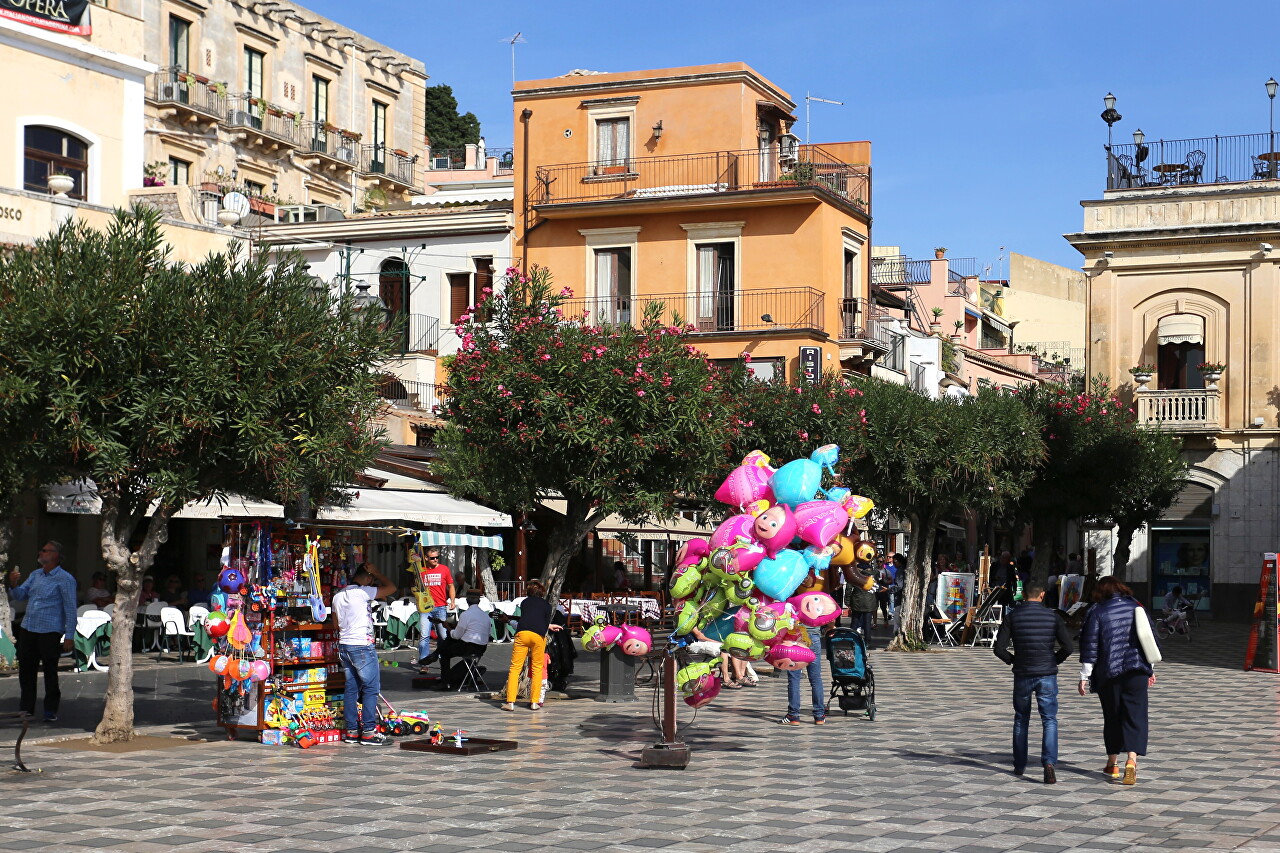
<point x="217" y="625"/>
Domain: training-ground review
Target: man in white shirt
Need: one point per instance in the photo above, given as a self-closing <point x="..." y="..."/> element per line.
<point x="358" y="656"/>
<point x="469" y="637"/>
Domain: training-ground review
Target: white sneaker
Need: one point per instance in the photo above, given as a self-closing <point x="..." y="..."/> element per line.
<point x="508" y="706"/>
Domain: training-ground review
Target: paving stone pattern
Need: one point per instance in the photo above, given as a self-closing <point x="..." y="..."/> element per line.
<point x="931" y="773"/>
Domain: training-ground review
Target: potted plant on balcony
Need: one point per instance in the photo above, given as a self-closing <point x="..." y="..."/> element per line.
<point x="1142" y="374"/>
<point x="959" y="326"/>
<point x="1212" y="372"/>
<point x="940" y="252"/>
<point x="218" y="88"/>
<point x="935" y="325"/>
<point x="60" y="183"/>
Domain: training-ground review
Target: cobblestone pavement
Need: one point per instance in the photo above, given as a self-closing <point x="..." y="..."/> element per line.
<point x="931" y="773"/>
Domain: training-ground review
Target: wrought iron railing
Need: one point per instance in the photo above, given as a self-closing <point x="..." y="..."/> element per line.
<point x="701" y="174"/>
<point x="1060" y="352"/>
<point x="423" y="333"/>
<point x="321" y="138"/>
<point x="1180" y="410"/>
<point x="506" y="159"/>
<point x="422" y="396"/>
<point x="445" y="159"/>
<point x="174" y="85"/>
<point x="715" y="311"/>
<point x="249" y="111"/>
<point x="899" y="270"/>
<point x="918" y="383"/>
<point x="381" y="160"/>
<point x="866" y="322"/>
<point x="1203" y="160"/>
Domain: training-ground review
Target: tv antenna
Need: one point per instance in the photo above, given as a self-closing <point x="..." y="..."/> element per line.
<point x="516" y="39"/>
<point x="809" y="99"/>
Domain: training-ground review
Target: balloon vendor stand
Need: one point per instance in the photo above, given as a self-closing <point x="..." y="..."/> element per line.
<point x="276" y="641"/>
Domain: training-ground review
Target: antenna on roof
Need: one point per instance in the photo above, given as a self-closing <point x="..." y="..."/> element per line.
<point x="808" y="99"/>
<point x="516" y="39"/>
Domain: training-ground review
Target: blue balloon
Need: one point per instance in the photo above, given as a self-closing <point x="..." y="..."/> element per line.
<point x="720" y="628"/>
<point x="779" y="577"/>
<point x="796" y="482"/>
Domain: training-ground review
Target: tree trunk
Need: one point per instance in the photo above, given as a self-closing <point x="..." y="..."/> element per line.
<point x="919" y="564"/>
<point x="565" y="539"/>
<point x="118" y="524"/>
<point x="6" y="615"/>
<point x="1124" y="544"/>
<point x="486" y="579"/>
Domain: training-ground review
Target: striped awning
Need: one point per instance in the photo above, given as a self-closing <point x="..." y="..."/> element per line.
<point x="436" y="537"/>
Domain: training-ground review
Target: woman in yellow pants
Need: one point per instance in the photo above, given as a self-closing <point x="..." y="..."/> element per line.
<point x="531" y="639"/>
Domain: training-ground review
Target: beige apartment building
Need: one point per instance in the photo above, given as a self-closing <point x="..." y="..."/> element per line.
<point x="1184" y="307"/>
<point x="277" y="103"/>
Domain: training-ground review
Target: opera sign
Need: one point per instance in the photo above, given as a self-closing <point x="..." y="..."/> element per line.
<point x="64" y="16"/>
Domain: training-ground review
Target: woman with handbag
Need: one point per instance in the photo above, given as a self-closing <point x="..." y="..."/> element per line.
<point x="1117" y="651"/>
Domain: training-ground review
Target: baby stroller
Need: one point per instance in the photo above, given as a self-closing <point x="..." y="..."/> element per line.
<point x="851" y="674"/>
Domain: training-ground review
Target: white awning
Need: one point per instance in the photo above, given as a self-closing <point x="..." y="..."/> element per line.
<point x="1181" y="329"/>
<point x="422" y="507"/>
<point x="436" y="537"/>
<point x="235" y="507"/>
<point x="997" y="322"/>
<point x="952" y="531"/>
<point x="81" y="498"/>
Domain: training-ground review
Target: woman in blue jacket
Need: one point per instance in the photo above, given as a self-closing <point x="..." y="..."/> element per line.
<point x="1113" y="665"/>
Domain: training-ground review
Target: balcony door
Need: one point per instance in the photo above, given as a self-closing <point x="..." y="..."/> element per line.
<point x="253" y="84"/>
<point x="1179" y="366"/>
<point x="716" y="287"/>
<point x="613" y="285"/>
<point x="393" y="290"/>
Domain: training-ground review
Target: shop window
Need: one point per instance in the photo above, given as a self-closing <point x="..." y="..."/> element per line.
<point x="1178" y="366"/>
<point x="49" y="151"/>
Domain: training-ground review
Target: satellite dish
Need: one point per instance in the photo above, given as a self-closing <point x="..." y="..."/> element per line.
<point x="238" y="202"/>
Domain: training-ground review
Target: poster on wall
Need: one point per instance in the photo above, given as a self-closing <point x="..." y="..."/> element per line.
<point x="955" y="593"/>
<point x="1181" y="558"/>
<point x="1263" y="652"/>
<point x="64" y="16"/>
<point x="1070" y="589"/>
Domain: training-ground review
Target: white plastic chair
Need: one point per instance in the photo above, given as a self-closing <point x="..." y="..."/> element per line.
<point x="85" y="608"/>
<point x="403" y="610"/>
<point x="86" y="626"/>
<point x="989" y="626"/>
<point x="173" y="624"/>
<point x="196" y="616"/>
<point x="378" y="615"/>
<point x="152" y="623"/>
<point x="110" y="609"/>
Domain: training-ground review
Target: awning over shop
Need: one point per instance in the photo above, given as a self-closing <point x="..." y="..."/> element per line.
<point x="1181" y="329"/>
<point x="436" y="537"/>
<point x="676" y="529"/>
<point x="235" y="506"/>
<point x="952" y="531"/>
<point x="421" y="507"/>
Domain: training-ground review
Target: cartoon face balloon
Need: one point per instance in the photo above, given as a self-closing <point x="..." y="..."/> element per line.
<point x="775" y="528"/>
<point x="815" y="608"/>
<point x="635" y="640"/>
<point x="685" y="581"/>
<point x="692" y="552"/>
<point x="591" y="636"/>
<point x="732" y="529"/>
<point x="790" y="656"/>
<point x="609" y="636"/>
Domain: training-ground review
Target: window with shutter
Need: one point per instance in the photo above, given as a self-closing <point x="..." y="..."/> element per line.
<point x="459" y="295"/>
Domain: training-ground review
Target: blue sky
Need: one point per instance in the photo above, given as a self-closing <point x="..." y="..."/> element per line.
<point x="983" y="115"/>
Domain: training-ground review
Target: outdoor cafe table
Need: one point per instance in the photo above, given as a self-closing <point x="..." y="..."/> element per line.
<point x="588" y="609"/>
<point x="1169" y="172"/>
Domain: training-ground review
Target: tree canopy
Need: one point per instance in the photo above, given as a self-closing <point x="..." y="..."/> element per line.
<point x="444" y="126"/>
<point x="165" y="384"/>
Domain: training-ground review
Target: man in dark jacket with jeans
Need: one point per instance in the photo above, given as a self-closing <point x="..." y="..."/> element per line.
<point x="1034" y="631"/>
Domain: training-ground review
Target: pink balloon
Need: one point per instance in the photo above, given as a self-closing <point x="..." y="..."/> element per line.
<point x="708" y="689"/>
<point x="789" y="656"/>
<point x="692" y="552"/>
<point x="815" y="608"/>
<point x="732" y="529"/>
<point x="744" y="485"/>
<point x="260" y="670"/>
<point x="636" y="640"/>
<point x="609" y="636"/>
<point x="820" y="522"/>
<point x="775" y="528"/>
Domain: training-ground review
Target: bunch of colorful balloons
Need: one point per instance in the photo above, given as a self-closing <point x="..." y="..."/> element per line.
<point x="743" y="586"/>
<point x="631" y="639"/>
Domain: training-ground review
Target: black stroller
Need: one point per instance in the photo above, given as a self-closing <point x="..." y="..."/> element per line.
<point x="853" y="681"/>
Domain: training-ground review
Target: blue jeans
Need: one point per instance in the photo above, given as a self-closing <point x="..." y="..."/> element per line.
<point x="426" y="627"/>
<point x="814" y="671"/>
<point x="364" y="682"/>
<point x="1046" y="689"/>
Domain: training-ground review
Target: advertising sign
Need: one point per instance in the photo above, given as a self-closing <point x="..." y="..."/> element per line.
<point x="955" y="594"/>
<point x="64" y="16"/>
<point x="1263" y="652"/>
<point x="810" y="364"/>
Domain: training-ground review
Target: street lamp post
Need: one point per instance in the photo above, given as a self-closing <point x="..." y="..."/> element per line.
<point x="1110" y="116"/>
<point x="1271" y="98"/>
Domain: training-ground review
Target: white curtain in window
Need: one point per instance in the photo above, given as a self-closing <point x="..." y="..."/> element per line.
<point x="708" y="265"/>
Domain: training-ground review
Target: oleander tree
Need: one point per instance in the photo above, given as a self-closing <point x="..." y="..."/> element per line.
<point x="791" y="421"/>
<point x="164" y="384"/>
<point x="926" y="459"/>
<point x="1154" y="473"/>
<point x="544" y="402"/>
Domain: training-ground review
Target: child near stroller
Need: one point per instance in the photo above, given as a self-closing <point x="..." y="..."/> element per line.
<point x="853" y="682"/>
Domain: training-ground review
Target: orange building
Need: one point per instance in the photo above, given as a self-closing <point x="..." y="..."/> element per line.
<point x="685" y="186"/>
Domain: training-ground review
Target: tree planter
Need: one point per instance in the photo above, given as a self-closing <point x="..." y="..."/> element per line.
<point x="935" y="328"/>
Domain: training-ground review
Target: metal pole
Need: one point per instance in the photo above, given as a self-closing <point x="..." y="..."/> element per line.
<point x="1271" y="156"/>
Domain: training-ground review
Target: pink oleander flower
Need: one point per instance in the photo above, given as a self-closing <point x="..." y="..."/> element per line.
<point x="816" y="409"/>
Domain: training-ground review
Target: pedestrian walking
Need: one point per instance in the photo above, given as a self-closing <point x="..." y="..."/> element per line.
<point x="818" y="693"/>
<point x="1040" y="642"/>
<point x="358" y="656"/>
<point x="860" y="598"/>
<point x="48" y="628"/>
<point x="1117" y="651"/>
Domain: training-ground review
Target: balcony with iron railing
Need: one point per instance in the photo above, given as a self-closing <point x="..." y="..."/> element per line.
<point x="724" y="311"/>
<point x="187" y="95"/>
<point x="704" y="174"/>
<point x="262" y="122"/>
<point x="1172" y="163"/>
<point x="332" y="144"/>
<point x="898" y="270"/>
<point x="420" y="396"/>
<point x="1185" y="410"/>
<point x="385" y="163"/>
<point x="419" y="333"/>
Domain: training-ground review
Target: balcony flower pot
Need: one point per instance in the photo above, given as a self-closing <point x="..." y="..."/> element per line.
<point x="935" y="328"/>
<point x="1211" y="378"/>
<point x="60" y="185"/>
<point x="957" y="337"/>
<point x="1142" y="379"/>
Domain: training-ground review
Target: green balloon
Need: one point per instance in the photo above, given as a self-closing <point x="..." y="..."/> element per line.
<point x="743" y="646"/>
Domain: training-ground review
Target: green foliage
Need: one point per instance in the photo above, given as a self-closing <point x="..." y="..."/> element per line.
<point x="444" y="126"/>
<point x="791" y="421"/>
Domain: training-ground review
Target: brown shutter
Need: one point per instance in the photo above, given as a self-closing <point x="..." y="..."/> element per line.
<point x="459" y="295"/>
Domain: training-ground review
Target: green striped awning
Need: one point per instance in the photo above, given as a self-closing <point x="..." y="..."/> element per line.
<point x="436" y="537"/>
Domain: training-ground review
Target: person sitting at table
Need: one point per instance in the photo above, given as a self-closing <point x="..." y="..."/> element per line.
<point x="620" y="581"/>
<point x="174" y="594"/>
<point x="98" y="595"/>
<point x="148" y="593"/>
<point x="199" y="592"/>
<point x="470" y="636"/>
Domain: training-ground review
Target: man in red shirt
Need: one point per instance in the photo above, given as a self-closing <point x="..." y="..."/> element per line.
<point x="438" y="580"/>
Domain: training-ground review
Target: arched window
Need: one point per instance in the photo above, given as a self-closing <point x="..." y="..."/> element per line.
<point x="393" y="290"/>
<point x="49" y="151"/>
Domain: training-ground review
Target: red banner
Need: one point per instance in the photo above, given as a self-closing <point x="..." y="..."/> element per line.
<point x="1263" y="652"/>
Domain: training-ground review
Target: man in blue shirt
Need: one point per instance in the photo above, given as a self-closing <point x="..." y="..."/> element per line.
<point x="50" y="593"/>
